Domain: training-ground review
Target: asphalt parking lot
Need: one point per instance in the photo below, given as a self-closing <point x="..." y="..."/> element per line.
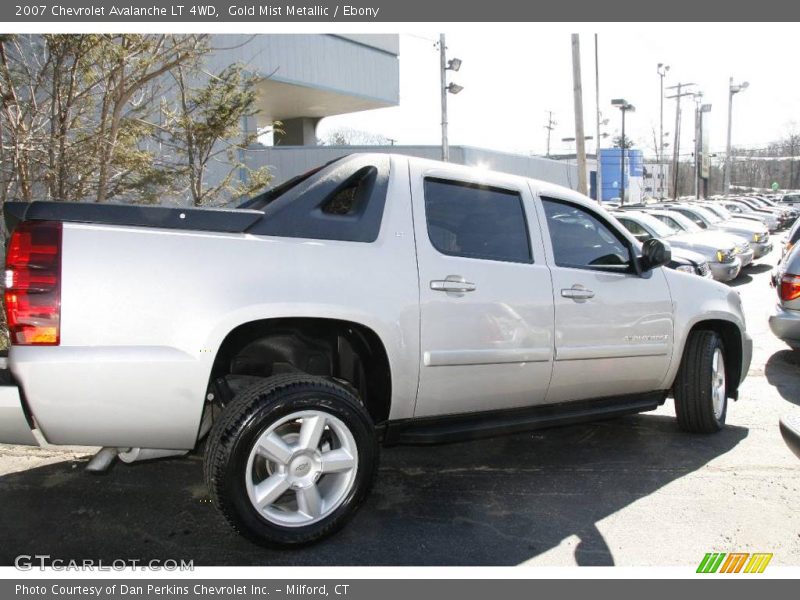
<point x="630" y="491"/>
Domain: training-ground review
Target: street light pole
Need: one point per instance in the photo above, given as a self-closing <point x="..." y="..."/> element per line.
<point x="443" y="90"/>
<point x="732" y="89"/>
<point x="598" y="180"/>
<point x="624" y="107"/>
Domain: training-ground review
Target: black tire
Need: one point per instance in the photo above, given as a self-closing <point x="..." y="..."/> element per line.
<point x="692" y="389"/>
<point x="247" y="416"/>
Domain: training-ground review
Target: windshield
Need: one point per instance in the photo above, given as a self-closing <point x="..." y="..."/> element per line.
<point x="720" y="211"/>
<point x="659" y="228"/>
<point x="683" y="222"/>
<point x="706" y="215"/>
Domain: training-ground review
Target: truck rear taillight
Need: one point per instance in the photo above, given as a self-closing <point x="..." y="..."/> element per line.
<point x="790" y="287"/>
<point x="33" y="284"/>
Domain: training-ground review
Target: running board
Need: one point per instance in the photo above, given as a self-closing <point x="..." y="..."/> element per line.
<point x="452" y="428"/>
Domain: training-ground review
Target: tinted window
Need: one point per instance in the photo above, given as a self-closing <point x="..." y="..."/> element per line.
<point x="581" y="240"/>
<point x="476" y="222"/>
<point x="352" y="196"/>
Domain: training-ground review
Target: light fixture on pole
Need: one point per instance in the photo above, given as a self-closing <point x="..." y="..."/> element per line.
<point x="732" y="89"/>
<point x="454" y="64"/>
<point x="662" y="72"/>
<point x="624" y="106"/>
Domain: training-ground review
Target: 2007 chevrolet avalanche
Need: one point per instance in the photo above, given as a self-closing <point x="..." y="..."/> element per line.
<point x="379" y="298"/>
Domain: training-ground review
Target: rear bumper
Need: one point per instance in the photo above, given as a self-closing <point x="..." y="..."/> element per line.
<point x="14" y="426"/>
<point x="785" y="324"/>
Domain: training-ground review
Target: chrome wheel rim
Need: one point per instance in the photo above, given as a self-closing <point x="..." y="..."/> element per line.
<point x="718" y="383"/>
<point x="301" y="468"/>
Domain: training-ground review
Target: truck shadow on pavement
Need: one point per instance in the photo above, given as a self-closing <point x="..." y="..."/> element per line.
<point x="783" y="371"/>
<point x="498" y="501"/>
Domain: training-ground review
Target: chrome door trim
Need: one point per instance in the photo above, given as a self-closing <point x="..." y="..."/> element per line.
<point x="611" y="351"/>
<point x="445" y="358"/>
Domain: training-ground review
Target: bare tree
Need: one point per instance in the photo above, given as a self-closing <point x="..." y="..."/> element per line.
<point x="347" y="136"/>
<point x="129" y="64"/>
<point x="205" y="127"/>
<point x="74" y="119"/>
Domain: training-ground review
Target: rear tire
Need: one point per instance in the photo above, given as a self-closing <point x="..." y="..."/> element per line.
<point x="700" y="388"/>
<point x="291" y="459"/>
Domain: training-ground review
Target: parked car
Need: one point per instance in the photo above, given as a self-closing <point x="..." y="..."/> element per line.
<point x="783" y="219"/>
<point x="761" y="243"/>
<point x="729" y="264"/>
<point x="741" y="209"/>
<point x="785" y="320"/>
<point x="791" y="199"/>
<point x="321" y="319"/>
<point x="687" y="261"/>
<point x="788" y="214"/>
<point x="708" y="248"/>
<point x="789" y="210"/>
<point x="705" y="219"/>
<point x="726" y="215"/>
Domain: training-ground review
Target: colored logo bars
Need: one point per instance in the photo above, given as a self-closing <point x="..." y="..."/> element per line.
<point x="734" y="562"/>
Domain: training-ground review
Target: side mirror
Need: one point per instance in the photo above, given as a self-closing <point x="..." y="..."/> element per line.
<point x="655" y="253"/>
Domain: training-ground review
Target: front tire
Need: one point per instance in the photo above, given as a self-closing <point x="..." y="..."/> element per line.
<point x="291" y="459"/>
<point x="700" y="388"/>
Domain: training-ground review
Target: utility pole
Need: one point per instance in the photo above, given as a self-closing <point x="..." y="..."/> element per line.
<point x="598" y="180"/>
<point x="662" y="71"/>
<point x="577" y="88"/>
<point x="551" y="124"/>
<point x="699" y="147"/>
<point x="698" y="98"/>
<point x="681" y="87"/>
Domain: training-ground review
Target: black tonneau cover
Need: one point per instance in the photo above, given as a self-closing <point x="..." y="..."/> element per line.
<point x="296" y="211"/>
<point x="224" y="220"/>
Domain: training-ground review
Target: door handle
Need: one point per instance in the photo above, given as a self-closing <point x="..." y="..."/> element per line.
<point x="453" y="283"/>
<point x="577" y="293"/>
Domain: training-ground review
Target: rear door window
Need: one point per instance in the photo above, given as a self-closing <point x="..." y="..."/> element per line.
<point x="474" y="221"/>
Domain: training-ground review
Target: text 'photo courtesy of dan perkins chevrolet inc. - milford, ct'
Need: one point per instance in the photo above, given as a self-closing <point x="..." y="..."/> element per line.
<point x="184" y="10"/>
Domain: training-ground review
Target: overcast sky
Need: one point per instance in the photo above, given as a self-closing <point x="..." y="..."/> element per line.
<point x="513" y="76"/>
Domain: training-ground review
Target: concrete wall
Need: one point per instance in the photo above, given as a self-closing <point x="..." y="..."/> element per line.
<point x="286" y="162"/>
<point x="362" y="66"/>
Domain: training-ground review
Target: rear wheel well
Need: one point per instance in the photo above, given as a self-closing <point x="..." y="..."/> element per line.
<point x="732" y="341"/>
<point x="342" y="350"/>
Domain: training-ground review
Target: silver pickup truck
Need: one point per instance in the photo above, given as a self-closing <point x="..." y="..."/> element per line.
<point x="379" y="299"/>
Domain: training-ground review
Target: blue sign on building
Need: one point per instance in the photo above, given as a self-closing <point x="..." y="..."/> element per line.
<point x="610" y="165"/>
